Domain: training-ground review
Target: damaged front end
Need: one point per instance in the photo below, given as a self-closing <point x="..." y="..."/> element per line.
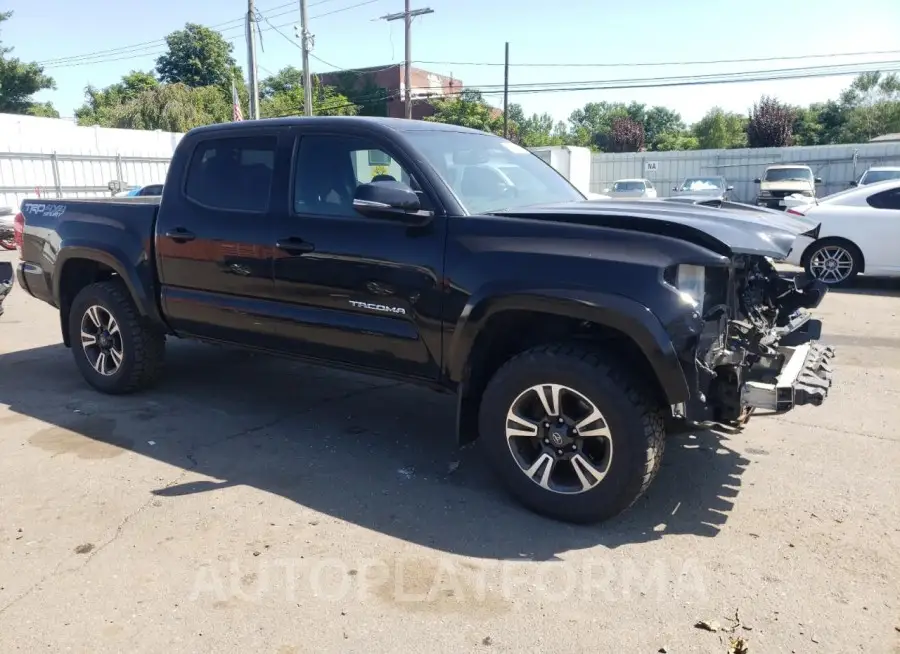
<point x="756" y="344"/>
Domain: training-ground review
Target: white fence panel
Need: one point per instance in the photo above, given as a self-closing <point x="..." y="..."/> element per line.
<point x="837" y="165"/>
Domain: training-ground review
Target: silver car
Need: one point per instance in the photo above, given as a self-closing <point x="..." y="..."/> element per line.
<point x="714" y="186"/>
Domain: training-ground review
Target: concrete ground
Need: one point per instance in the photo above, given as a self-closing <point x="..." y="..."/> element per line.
<point x="257" y="505"/>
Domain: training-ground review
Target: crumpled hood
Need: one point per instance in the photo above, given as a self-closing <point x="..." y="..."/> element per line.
<point x="727" y="232"/>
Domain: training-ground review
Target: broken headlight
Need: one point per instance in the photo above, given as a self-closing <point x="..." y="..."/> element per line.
<point x="690" y="283"/>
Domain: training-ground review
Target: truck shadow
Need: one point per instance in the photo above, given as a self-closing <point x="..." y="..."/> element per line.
<point x="374" y="453"/>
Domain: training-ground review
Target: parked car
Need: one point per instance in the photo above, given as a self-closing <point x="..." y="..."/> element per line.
<point x="7" y="237"/>
<point x="859" y="233"/>
<point x="631" y="188"/>
<point x="715" y="186"/>
<point x="878" y="174"/>
<point x="781" y="181"/>
<point x="151" y="190"/>
<point x="569" y="330"/>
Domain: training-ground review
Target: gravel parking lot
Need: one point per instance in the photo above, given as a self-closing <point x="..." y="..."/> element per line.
<point x="258" y="505"/>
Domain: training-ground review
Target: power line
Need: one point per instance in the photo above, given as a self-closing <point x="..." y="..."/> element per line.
<point x="661" y="63"/>
<point x="235" y="22"/>
<point x="152" y="48"/>
<point x="636" y="83"/>
<point x="666" y="82"/>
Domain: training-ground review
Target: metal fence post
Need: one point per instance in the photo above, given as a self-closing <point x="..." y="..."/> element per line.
<point x="119" y="173"/>
<point x="54" y="165"/>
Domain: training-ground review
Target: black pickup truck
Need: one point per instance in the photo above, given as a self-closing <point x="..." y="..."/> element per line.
<point x="571" y="331"/>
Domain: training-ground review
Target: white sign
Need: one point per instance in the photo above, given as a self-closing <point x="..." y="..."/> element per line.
<point x="651" y="166"/>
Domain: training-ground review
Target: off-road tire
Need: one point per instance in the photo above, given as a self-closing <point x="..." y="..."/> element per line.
<point x="634" y="418"/>
<point x="144" y="347"/>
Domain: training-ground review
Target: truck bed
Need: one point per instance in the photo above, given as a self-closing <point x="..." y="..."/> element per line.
<point x="120" y="226"/>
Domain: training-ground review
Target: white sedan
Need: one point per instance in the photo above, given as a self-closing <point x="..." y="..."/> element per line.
<point x="860" y="230"/>
<point x="631" y="188"/>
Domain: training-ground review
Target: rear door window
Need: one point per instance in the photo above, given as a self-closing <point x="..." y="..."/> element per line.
<point x="232" y="174"/>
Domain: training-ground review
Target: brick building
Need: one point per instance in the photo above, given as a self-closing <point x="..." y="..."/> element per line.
<point x="390" y="81"/>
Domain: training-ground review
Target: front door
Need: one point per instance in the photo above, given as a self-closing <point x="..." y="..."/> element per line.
<point x="357" y="290"/>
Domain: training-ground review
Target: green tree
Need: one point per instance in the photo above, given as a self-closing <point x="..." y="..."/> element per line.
<point x="468" y="109"/>
<point x="535" y="130"/>
<point x="873" y="106"/>
<point x="19" y="81"/>
<point x="196" y="56"/>
<point x="682" y="140"/>
<point x="100" y="105"/>
<point x="590" y="125"/>
<point x="173" y="108"/>
<point x="719" y="129"/>
<point x="281" y="94"/>
<point x="661" y="124"/>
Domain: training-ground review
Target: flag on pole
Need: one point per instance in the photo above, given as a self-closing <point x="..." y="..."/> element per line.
<point x="236" y="113"/>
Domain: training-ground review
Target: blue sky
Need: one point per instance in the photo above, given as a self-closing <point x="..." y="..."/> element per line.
<point x="465" y="31"/>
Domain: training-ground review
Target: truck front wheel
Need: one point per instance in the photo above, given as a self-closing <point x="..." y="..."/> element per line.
<point x="115" y="350"/>
<point x="572" y="435"/>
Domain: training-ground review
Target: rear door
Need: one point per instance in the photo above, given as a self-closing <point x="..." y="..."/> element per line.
<point x="355" y="289"/>
<point x="215" y="235"/>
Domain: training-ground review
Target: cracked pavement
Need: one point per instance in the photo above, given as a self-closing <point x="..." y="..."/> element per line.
<point x="253" y="504"/>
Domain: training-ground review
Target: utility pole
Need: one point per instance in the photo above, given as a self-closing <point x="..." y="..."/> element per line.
<point x="251" y="61"/>
<point x="407" y="15"/>
<point x="306" y="39"/>
<point x="506" y="94"/>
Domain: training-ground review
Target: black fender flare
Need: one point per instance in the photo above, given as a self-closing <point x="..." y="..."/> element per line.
<point x="623" y="314"/>
<point x="133" y="274"/>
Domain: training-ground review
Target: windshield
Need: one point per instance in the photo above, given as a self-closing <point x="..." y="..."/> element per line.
<point x="789" y="174"/>
<point x="628" y="186"/>
<point x="488" y="173"/>
<point x="703" y="184"/>
<point x="874" y="176"/>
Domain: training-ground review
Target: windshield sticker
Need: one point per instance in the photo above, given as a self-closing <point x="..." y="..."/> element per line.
<point x="47" y="210"/>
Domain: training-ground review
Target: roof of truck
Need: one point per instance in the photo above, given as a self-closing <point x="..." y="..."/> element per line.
<point x="789" y="165"/>
<point x="394" y="124"/>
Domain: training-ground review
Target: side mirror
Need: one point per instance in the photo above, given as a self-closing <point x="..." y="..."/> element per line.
<point x="674" y="188"/>
<point x="757" y="181"/>
<point x="854" y="183"/>
<point x="391" y="200"/>
<point x="729" y="188"/>
<point x="818" y="180"/>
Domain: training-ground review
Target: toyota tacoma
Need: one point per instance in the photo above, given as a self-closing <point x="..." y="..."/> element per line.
<point x="572" y="332"/>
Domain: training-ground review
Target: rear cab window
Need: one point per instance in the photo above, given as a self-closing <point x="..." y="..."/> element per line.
<point x="232" y="173"/>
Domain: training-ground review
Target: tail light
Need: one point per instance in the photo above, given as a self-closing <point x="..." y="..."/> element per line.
<point x="796" y="212"/>
<point x="19" y="231"/>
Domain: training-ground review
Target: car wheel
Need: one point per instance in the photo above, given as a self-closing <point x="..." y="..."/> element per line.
<point x="833" y="262"/>
<point x="115" y="350"/>
<point x="573" y="435"/>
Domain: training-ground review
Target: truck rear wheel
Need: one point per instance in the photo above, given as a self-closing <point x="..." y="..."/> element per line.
<point x="572" y="435"/>
<point x="115" y="350"/>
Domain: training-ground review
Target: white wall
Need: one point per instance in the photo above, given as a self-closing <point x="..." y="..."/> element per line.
<point x="51" y="157"/>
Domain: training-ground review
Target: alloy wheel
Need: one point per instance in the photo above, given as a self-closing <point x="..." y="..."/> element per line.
<point x="559" y="439"/>
<point x="831" y="264"/>
<point x="101" y="340"/>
